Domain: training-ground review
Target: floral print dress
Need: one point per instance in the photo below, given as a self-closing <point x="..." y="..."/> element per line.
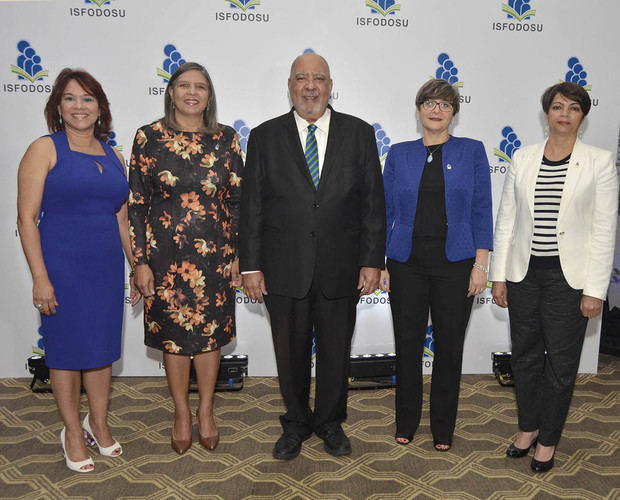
<point x="184" y="213"/>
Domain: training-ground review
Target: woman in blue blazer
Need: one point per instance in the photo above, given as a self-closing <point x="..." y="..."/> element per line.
<point x="439" y="233"/>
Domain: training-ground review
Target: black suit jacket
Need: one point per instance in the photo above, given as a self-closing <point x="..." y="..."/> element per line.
<point x="295" y="233"/>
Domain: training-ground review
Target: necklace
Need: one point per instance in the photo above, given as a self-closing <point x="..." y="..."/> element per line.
<point x="429" y="158"/>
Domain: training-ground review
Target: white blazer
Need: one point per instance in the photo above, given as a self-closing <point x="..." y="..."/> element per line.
<point x="586" y="228"/>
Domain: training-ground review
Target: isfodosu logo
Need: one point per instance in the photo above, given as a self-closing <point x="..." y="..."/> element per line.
<point x="29" y="70"/>
<point x="519" y="14"/>
<point x="508" y="145"/>
<point x="383" y="142"/>
<point x="242" y="11"/>
<point x="383" y="15"/>
<point x="172" y="61"/>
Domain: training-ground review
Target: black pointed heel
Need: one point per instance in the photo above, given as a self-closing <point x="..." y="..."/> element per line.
<point x="538" y="466"/>
<point x="514" y="452"/>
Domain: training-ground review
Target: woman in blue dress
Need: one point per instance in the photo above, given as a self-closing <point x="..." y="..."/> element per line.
<point x="73" y="225"/>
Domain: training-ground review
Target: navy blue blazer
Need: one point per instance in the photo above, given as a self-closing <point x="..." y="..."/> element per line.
<point x="468" y="197"/>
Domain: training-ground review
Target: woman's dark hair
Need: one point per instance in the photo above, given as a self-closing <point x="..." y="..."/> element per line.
<point x="571" y="91"/>
<point x="438" y="89"/>
<point x="209" y="117"/>
<point x="103" y="126"/>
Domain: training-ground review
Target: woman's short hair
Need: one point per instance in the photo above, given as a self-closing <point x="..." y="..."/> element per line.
<point x="209" y="117"/>
<point x="91" y="86"/>
<point x="571" y="91"/>
<point x="438" y="89"/>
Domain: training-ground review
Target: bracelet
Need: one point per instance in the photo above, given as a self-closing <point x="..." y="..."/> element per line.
<point x="131" y="274"/>
<point x="481" y="267"/>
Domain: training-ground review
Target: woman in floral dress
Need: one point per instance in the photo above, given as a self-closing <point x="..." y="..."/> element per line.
<point x="185" y="177"/>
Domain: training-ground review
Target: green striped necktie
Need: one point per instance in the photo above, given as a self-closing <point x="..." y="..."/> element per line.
<point x="312" y="155"/>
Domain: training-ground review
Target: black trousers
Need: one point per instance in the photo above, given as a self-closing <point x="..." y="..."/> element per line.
<point x="429" y="282"/>
<point x="292" y="324"/>
<point x="545" y="315"/>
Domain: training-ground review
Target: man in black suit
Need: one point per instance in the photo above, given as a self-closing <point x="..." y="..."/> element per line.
<point x="311" y="244"/>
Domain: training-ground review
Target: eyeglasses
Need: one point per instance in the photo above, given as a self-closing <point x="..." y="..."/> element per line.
<point x="443" y="106"/>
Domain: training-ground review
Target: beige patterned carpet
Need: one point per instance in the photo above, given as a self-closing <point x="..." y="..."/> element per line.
<point x="587" y="461"/>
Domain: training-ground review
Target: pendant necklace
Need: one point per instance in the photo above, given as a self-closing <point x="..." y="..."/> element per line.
<point x="429" y="158"/>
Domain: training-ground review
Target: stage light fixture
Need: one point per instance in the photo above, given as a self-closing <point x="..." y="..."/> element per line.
<point x="502" y="368"/>
<point x="40" y="374"/>
<point x="233" y="369"/>
<point x="372" y="371"/>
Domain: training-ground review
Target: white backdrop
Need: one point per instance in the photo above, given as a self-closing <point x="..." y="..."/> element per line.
<point x="501" y="54"/>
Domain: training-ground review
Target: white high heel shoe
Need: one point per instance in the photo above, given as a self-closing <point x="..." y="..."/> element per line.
<point x="114" y="450"/>
<point x="75" y="466"/>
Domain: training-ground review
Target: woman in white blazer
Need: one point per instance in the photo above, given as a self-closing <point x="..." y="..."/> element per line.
<point x="551" y="264"/>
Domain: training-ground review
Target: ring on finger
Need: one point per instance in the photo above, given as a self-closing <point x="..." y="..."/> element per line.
<point x="38" y="306"/>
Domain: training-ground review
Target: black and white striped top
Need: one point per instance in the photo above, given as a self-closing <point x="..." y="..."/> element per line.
<point x="547" y="198"/>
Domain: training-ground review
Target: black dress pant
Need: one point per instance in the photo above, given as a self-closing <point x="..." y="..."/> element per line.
<point x="545" y="315"/>
<point x="429" y="282"/>
<point x="292" y="324"/>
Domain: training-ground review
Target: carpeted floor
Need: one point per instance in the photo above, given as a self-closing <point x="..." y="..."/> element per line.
<point x="587" y="460"/>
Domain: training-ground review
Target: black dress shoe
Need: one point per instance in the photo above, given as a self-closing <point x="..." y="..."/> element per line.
<point x="288" y="446"/>
<point x="514" y="452"/>
<point x="336" y="442"/>
<point x="538" y="466"/>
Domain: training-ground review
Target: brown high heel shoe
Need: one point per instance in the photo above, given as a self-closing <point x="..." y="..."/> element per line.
<point x="181" y="445"/>
<point x="209" y="442"/>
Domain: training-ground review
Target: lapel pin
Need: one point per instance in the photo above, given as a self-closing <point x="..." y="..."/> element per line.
<point x="577" y="165"/>
<point x="449" y="167"/>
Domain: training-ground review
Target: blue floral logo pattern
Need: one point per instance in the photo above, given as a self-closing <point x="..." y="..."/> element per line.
<point x="40" y="347"/>
<point x="243" y="4"/>
<point x="383" y="7"/>
<point x="171" y="63"/>
<point x="429" y="343"/>
<point x="98" y="3"/>
<point x="383" y="141"/>
<point x="518" y="9"/>
<point x="447" y="70"/>
<point x="313" y="346"/>
<point x="577" y="74"/>
<point x="28" y="63"/>
<point x="243" y="131"/>
<point x="509" y="144"/>
<point x="112" y="142"/>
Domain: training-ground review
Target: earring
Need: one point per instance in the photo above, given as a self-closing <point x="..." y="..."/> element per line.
<point x="580" y="132"/>
<point x="546" y="130"/>
<point x="60" y="119"/>
<point x="99" y="120"/>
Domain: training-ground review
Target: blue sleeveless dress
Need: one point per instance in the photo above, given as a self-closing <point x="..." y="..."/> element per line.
<point x="83" y="255"/>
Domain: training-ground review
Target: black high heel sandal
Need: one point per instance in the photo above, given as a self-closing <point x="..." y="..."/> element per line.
<point x="438" y="443"/>
<point x="407" y="437"/>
